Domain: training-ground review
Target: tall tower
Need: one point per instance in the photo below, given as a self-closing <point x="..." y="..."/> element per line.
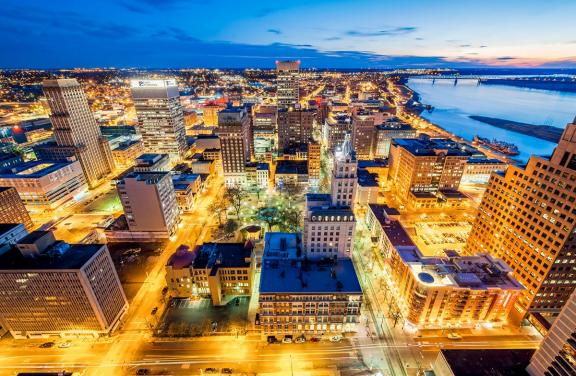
<point x="287" y="77"/>
<point x="527" y="218"/>
<point x="75" y="129"/>
<point x="294" y="127"/>
<point x="344" y="175"/>
<point x="160" y="117"/>
<point x="234" y="133"/>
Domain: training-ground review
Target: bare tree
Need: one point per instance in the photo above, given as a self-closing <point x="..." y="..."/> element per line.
<point x="218" y="207"/>
<point x="235" y="196"/>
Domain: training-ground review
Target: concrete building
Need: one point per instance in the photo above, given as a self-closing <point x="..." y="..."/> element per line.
<point x="220" y="271"/>
<point x="363" y="135"/>
<point x="152" y="163"/>
<point x="264" y="133"/>
<point x="45" y="185"/>
<point x="295" y="126"/>
<point x="10" y="234"/>
<point x="478" y="170"/>
<point x="335" y="128"/>
<point x="75" y="130"/>
<point x="210" y="112"/>
<point x="12" y="209"/>
<point x="125" y="153"/>
<point x="314" y="154"/>
<point x="303" y="297"/>
<point x="419" y="168"/>
<point x="149" y="202"/>
<point x="367" y="188"/>
<point x="291" y="174"/>
<point x="287" y="83"/>
<point x="386" y="132"/>
<point x="54" y="288"/>
<point x="234" y="132"/>
<point x="527" y="218"/>
<point x="186" y="188"/>
<point x="557" y="353"/>
<point x="160" y="117"/>
<point x="344" y="175"/>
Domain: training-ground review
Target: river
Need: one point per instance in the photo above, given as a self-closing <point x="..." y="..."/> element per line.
<point x="454" y="103"/>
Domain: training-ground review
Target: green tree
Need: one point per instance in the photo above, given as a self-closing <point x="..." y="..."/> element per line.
<point x="292" y="218"/>
<point x="269" y="215"/>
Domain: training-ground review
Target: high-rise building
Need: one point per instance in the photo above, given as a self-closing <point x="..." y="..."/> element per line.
<point x="329" y="221"/>
<point x="76" y="131"/>
<point x="527" y="218"/>
<point x="314" y="152"/>
<point x="557" y="352"/>
<point x="264" y="134"/>
<point x="287" y="77"/>
<point x="363" y="135"/>
<point x="12" y="209"/>
<point x="234" y="132"/>
<point x="335" y="128"/>
<point x="50" y="287"/>
<point x="149" y="202"/>
<point x="426" y="166"/>
<point x="387" y="131"/>
<point x="160" y="117"/>
<point x="344" y="175"/>
<point x="294" y="127"/>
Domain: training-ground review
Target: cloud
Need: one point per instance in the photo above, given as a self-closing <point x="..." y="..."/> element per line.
<point x="332" y="38"/>
<point x="419" y="38"/>
<point x="383" y="33"/>
<point x="274" y="31"/>
<point x="505" y="58"/>
<point x="465" y="45"/>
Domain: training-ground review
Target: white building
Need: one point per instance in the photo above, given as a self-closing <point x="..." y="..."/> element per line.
<point x="234" y="132"/>
<point x="287" y="87"/>
<point x="160" y="117"/>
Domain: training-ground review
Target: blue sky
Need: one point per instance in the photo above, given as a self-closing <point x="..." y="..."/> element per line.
<point x="339" y="34"/>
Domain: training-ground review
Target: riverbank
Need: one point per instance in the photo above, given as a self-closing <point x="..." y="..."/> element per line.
<point x="543" y="132"/>
<point x="567" y="85"/>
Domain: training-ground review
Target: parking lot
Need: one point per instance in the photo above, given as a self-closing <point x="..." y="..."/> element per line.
<point x="197" y="317"/>
<point x="434" y="237"/>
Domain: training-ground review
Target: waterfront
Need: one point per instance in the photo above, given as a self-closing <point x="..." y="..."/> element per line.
<point x="453" y="104"/>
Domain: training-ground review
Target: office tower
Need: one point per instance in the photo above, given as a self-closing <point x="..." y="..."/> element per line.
<point x="527" y="218"/>
<point x="557" y="352"/>
<point x="424" y="166"/>
<point x="294" y="127"/>
<point x="387" y="131"/>
<point x="216" y="270"/>
<point x="160" y="117"/>
<point x="287" y="77"/>
<point x="363" y="135"/>
<point x="302" y="297"/>
<point x="335" y="128"/>
<point x="265" y="139"/>
<point x="234" y="132"/>
<point x="76" y="131"/>
<point x="54" y="288"/>
<point x="149" y="202"/>
<point x="46" y="185"/>
<point x="12" y="209"/>
<point x="329" y="221"/>
<point x="314" y="151"/>
<point x="344" y="175"/>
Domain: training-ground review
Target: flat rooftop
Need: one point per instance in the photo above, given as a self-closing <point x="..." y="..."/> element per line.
<point x="150" y="158"/>
<point x="425" y="146"/>
<point x="150" y="177"/>
<point x="33" y="169"/>
<point x="282" y="245"/>
<point x="73" y="258"/>
<point x="294" y="277"/>
<point x="488" y="362"/>
<point x="223" y="255"/>
<point x="292" y="167"/>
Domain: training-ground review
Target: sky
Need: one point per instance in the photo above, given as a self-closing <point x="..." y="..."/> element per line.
<point x="322" y="34"/>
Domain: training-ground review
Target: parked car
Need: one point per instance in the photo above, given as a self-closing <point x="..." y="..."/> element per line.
<point x="143" y="371"/>
<point x="211" y="370"/>
<point x="65" y="345"/>
<point x="454" y="336"/>
<point x="272" y="339"/>
<point x="287" y="339"/>
<point x="165" y="290"/>
<point x="336" y="338"/>
<point x="47" y="345"/>
<point x="227" y="370"/>
<point x="314" y="339"/>
<point x="300" y="339"/>
<point x="154" y="310"/>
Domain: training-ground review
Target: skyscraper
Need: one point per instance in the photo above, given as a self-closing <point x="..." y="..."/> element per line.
<point x="527" y="218"/>
<point x="160" y="117"/>
<point x="12" y="209"/>
<point x="344" y="175"/>
<point x="76" y="131"/>
<point x="287" y="78"/>
<point x="363" y="135"/>
<point x="234" y="132"/>
<point x="556" y="355"/>
<point x="294" y="127"/>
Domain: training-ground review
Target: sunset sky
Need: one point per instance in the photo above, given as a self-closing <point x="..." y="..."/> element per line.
<point x="339" y="34"/>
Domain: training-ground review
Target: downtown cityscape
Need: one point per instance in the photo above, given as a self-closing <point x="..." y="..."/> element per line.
<point x="268" y="192"/>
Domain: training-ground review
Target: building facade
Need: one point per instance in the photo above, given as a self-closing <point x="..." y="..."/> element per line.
<point x="527" y="218"/>
<point x="54" y="288"/>
<point x="295" y="126"/>
<point x="12" y="209"/>
<point x="388" y="131"/>
<point x="160" y="117"/>
<point x="363" y="135"/>
<point x="234" y="132"/>
<point x="75" y="130"/>
<point x="287" y="83"/>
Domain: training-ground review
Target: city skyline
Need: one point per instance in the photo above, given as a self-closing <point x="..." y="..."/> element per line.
<point x="336" y="34"/>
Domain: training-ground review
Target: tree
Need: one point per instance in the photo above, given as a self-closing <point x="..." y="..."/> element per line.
<point x="235" y="196"/>
<point x="292" y="218"/>
<point x="269" y="215"/>
<point x="218" y="207"/>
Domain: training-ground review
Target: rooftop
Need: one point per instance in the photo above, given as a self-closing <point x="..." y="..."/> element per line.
<point x="73" y="258"/>
<point x="367" y="179"/>
<point x="488" y="362"/>
<point x="149" y="159"/>
<point x="226" y="255"/>
<point x="182" y="258"/>
<point x="5" y="227"/>
<point x="426" y="146"/>
<point x="306" y="277"/>
<point x="292" y="167"/>
<point x="33" y="169"/>
<point x="150" y="177"/>
<point x="278" y="245"/>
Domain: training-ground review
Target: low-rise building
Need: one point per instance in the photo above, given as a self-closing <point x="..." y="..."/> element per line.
<point x="186" y="187"/>
<point x="478" y="170"/>
<point x="303" y="297"/>
<point x="151" y="162"/>
<point x="50" y="287"/>
<point x="220" y="271"/>
<point x="291" y="173"/>
<point x="45" y="185"/>
<point x="126" y="153"/>
<point x="367" y="189"/>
